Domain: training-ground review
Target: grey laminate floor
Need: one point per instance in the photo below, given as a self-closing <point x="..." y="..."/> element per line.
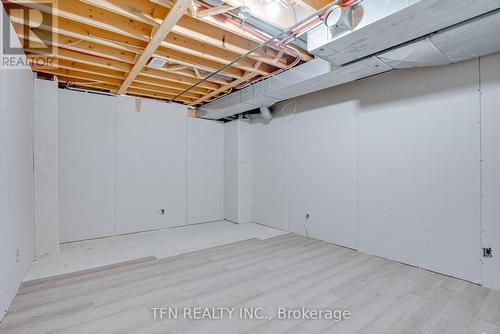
<point x="287" y="271"/>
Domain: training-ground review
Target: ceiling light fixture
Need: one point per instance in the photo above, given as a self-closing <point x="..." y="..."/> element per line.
<point x="273" y="8"/>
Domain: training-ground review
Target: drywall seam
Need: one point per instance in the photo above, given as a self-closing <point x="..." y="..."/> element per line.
<point x="115" y="163"/>
<point x="356" y="191"/>
<point x="45" y="195"/>
<point x="481" y="174"/>
<point x="186" y="180"/>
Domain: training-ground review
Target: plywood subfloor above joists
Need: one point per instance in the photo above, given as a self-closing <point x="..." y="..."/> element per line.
<point x="107" y="45"/>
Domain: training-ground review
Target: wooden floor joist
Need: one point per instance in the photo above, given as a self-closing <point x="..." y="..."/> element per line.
<point x="107" y="44"/>
<point x="165" y="28"/>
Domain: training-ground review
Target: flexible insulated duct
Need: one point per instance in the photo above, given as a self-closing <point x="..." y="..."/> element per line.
<point x="265" y="111"/>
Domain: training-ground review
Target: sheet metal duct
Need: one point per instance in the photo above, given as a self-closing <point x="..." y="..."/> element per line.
<point x="472" y="39"/>
<point x="395" y="22"/>
<point x="267" y="92"/>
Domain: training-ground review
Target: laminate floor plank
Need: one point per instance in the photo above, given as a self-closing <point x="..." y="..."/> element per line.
<point x="287" y="271"/>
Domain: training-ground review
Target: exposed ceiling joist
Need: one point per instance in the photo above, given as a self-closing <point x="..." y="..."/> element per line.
<point x="86" y="84"/>
<point x="223" y="89"/>
<point x="192" y="8"/>
<point x="215" y="10"/>
<point x="165" y="28"/>
<point x="187" y="26"/>
<point x="162" y="89"/>
<point x="229" y="86"/>
<point x="183" y="46"/>
<point x="145" y="92"/>
<point x="160" y="76"/>
<point x="80" y="75"/>
<point x="106" y="44"/>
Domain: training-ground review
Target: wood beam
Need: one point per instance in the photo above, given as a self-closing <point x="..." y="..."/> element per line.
<point x="224" y="89"/>
<point x="67" y="59"/>
<point x="187" y="26"/>
<point x="183" y="76"/>
<point x="177" y="42"/>
<point x="187" y="35"/>
<point x="217" y="22"/>
<point x="163" y="96"/>
<point x="70" y="55"/>
<point x="164" y="83"/>
<point x="80" y="75"/>
<point x="182" y="45"/>
<point x="165" y="28"/>
<point x="199" y="62"/>
<point x="192" y="8"/>
<point x="87" y="84"/>
<point x="78" y="45"/>
<point x="95" y="49"/>
<point x="215" y="10"/>
<point x="162" y="89"/>
<point x="79" y="82"/>
<point x="187" y="80"/>
<point x="73" y="65"/>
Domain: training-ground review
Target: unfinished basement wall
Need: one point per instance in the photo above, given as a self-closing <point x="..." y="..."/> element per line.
<point x="128" y="165"/>
<point x="16" y="179"/>
<point x="490" y="119"/>
<point x="238" y="171"/>
<point x="231" y="171"/>
<point x="205" y="182"/>
<point x="45" y="168"/>
<point x="389" y="165"/>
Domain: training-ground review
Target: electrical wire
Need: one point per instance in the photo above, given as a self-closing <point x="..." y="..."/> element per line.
<point x="71" y="44"/>
<point x="221" y="96"/>
<point x="295" y="62"/>
<point x="139" y="48"/>
<point x="272" y="40"/>
<point x="86" y="83"/>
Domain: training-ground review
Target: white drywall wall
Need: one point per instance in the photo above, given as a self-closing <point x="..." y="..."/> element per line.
<point x="418" y="168"/>
<point x="322" y="168"/>
<point x="151" y="148"/>
<point x="490" y="88"/>
<point x="309" y="167"/>
<point x="231" y="171"/>
<point x="121" y="162"/>
<point x="388" y="165"/>
<point x="45" y="168"/>
<point x="16" y="179"/>
<point x="86" y="165"/>
<point x="238" y="171"/>
<point x="270" y="174"/>
<point x="245" y="170"/>
<point x="205" y="180"/>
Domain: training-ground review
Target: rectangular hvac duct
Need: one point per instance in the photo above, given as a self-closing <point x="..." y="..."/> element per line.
<point x="307" y="78"/>
<point x="413" y="21"/>
<point x="267" y="92"/>
<point x="471" y="39"/>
